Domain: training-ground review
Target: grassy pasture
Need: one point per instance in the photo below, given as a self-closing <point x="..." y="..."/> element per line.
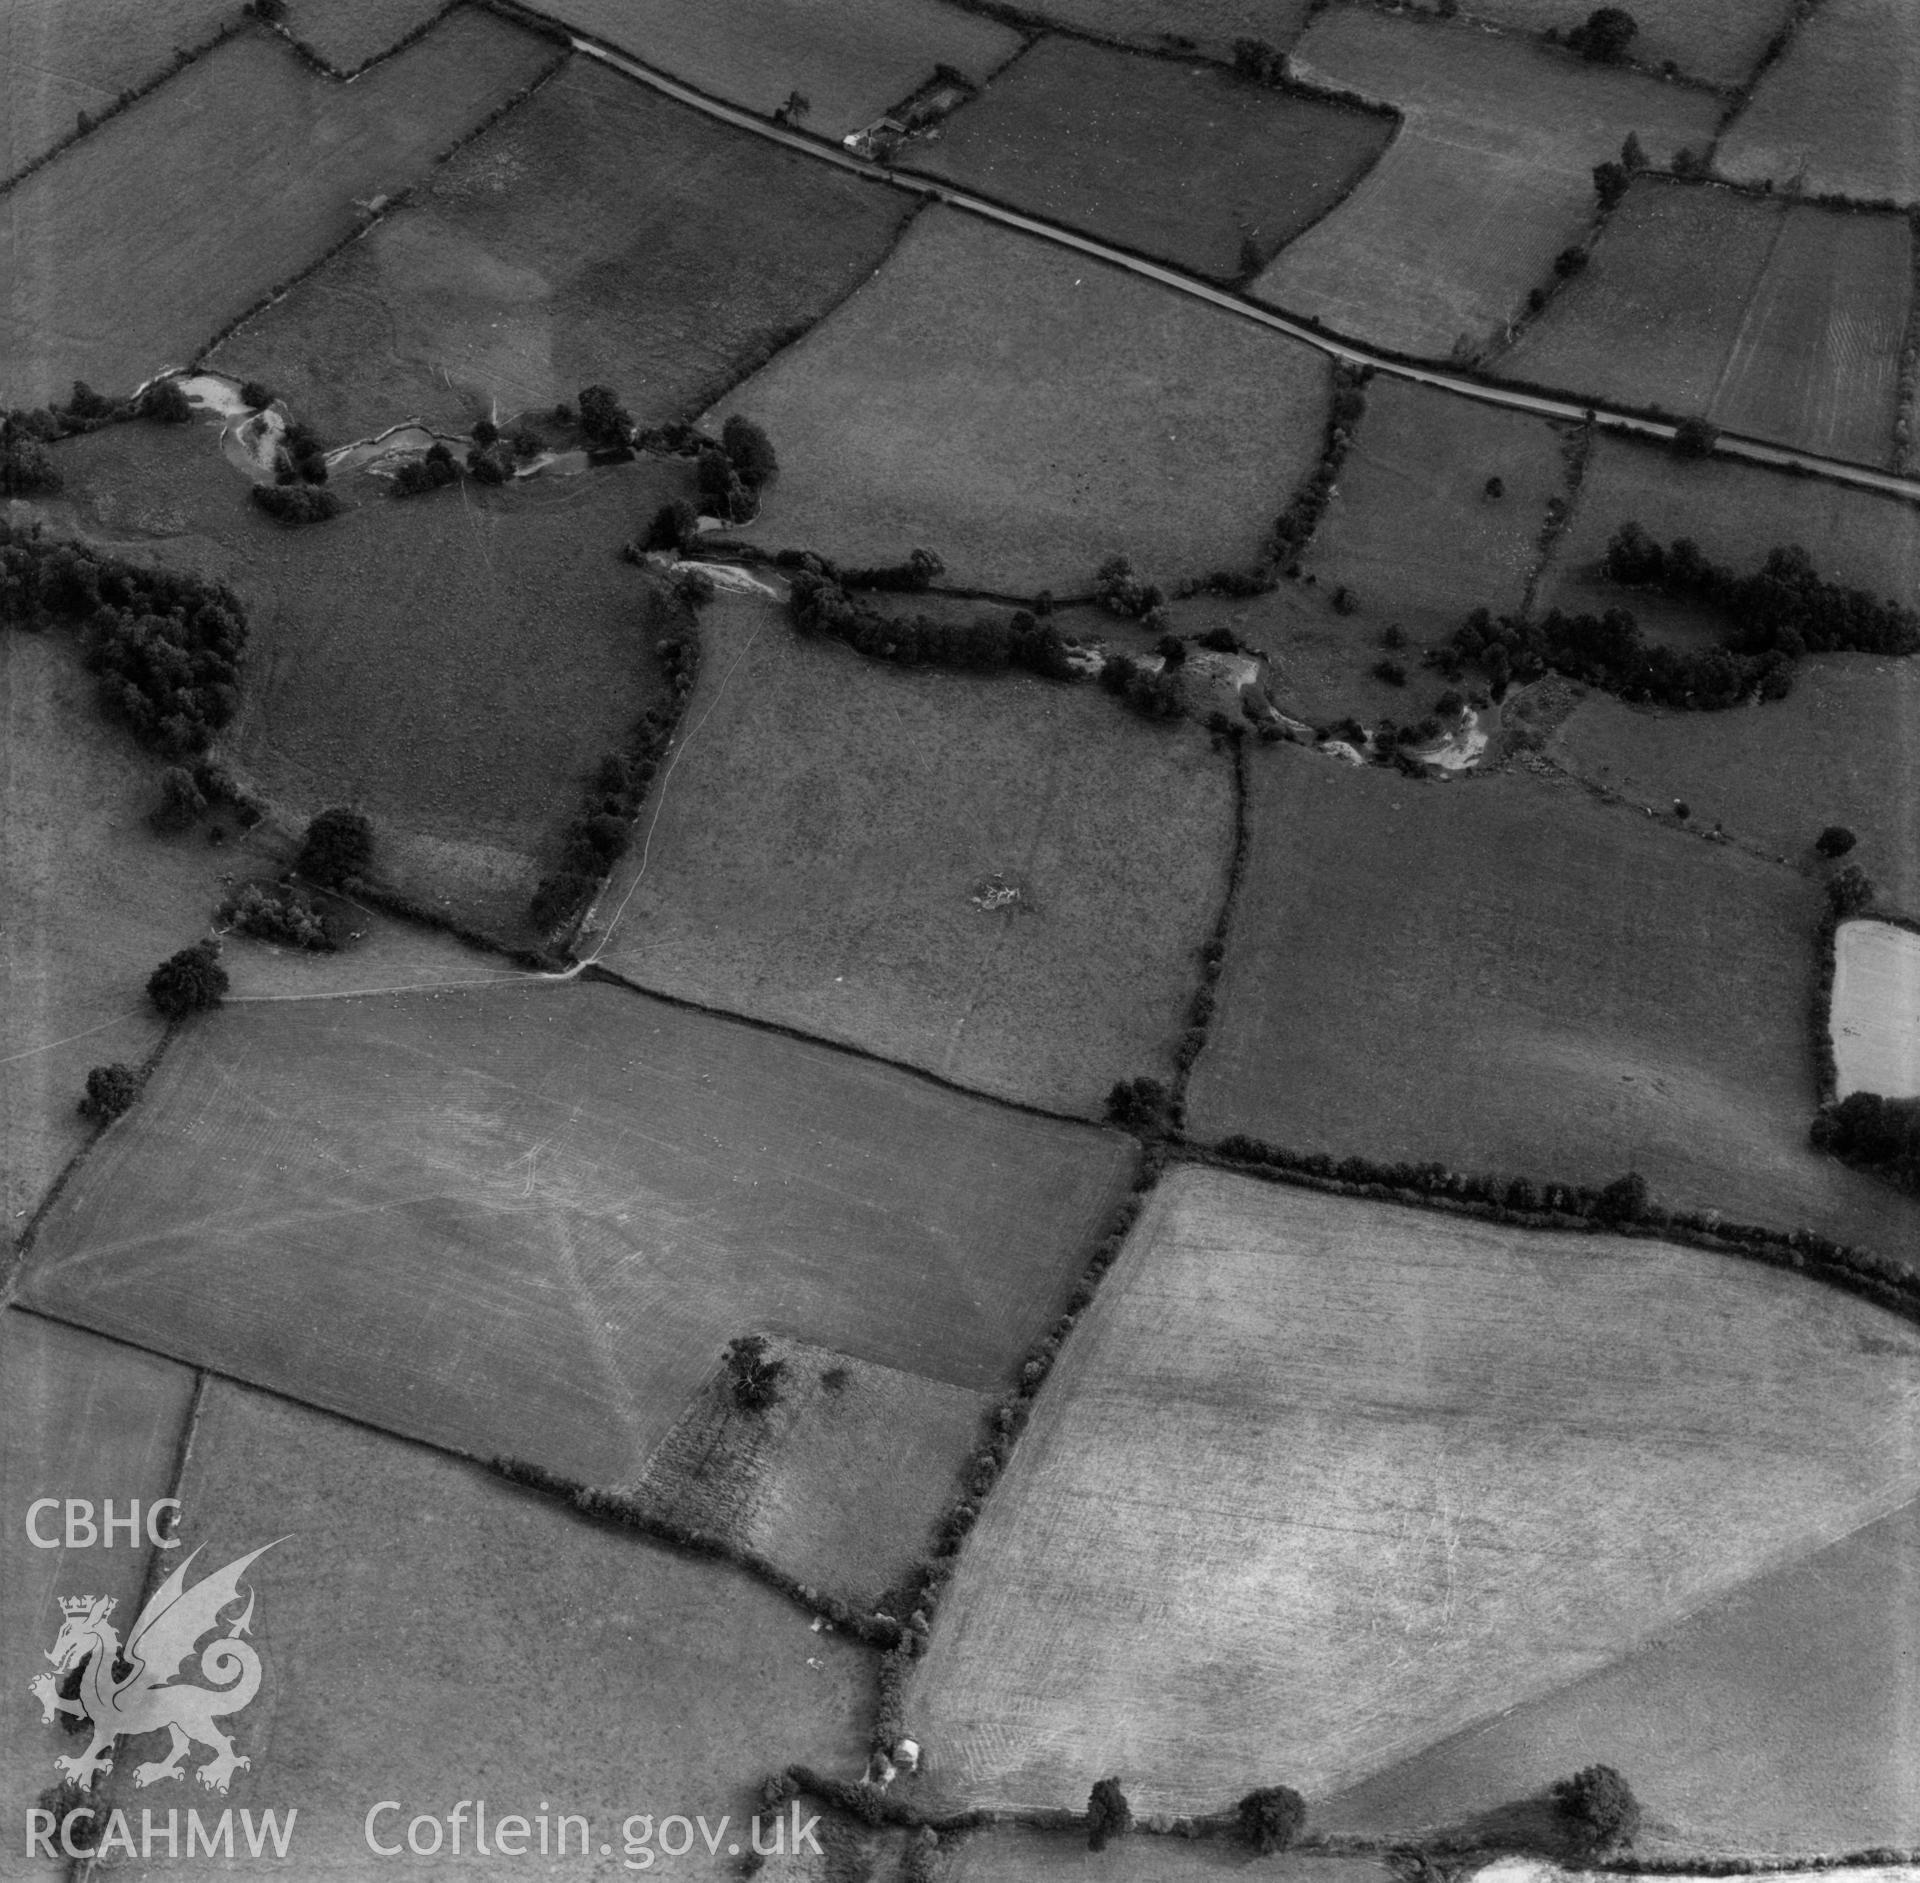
<point x="526" y="1220"/>
<point x="79" y="1417"/>
<point x="1835" y="116"/>
<point x="132" y="249"/>
<point x="852" y="62"/>
<point x="430" y="1633"/>
<point x="1775" y="319"/>
<point x="94" y="901"/>
<point x="1186" y="162"/>
<point x="1010" y="1856"/>
<point x="600" y="234"/>
<point x="454" y="664"/>
<point x="58" y="60"/>
<point x="1412" y="531"/>
<point x="1028" y="413"/>
<point x="1839" y="750"/>
<point x="1736" y="513"/>
<point x="1775" y="1719"/>
<point x="1876" y="1009"/>
<point x="1211" y="23"/>
<point x="1318" y="1482"/>
<point x="1489" y="178"/>
<point x="840" y="1484"/>
<point x="839" y="881"/>
<point x="1504" y="975"/>
<point x="348" y="33"/>
<point x="1720" y="41"/>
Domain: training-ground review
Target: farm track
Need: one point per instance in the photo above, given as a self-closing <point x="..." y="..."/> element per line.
<point x="1732" y="445"/>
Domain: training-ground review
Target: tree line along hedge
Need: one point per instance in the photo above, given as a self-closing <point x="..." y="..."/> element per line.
<point x="165" y="645"/>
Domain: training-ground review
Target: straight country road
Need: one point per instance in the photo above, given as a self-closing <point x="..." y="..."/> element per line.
<point x="1730" y="445"/>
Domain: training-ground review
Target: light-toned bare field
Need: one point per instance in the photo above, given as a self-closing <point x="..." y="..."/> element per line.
<point x="85" y="1418"/>
<point x="429" y="1634"/>
<point x="1720" y="41"/>
<point x="1412" y="532"/>
<point x="1774" y="319"/>
<point x="1775" y="1720"/>
<point x="1876" y="1009"/>
<point x="1842" y="748"/>
<point x="1002" y="879"/>
<point x="1318" y="1482"/>
<point x="1490" y="176"/>
<point x="58" y="60"/>
<point x="1837" y="114"/>
<point x="851" y="62"/>
<point x="1028" y="413"/>
<point x="1504" y="975"/>
<point x="526" y="1220"/>
<point x="839" y="1482"/>
<point x="132" y="249"/>
<point x="600" y="235"/>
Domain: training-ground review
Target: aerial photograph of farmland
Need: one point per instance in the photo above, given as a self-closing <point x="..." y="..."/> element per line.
<point x="954" y="941"/>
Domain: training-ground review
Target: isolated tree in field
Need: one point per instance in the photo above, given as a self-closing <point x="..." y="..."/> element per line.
<point x="165" y="401"/>
<point x="1605" y="35"/>
<point x="255" y="395"/>
<point x="1270" y="1818"/>
<point x="110" y="1090"/>
<point x="181" y="799"/>
<point x="189" y="982"/>
<point x="749" y="451"/>
<point x="338" y="846"/>
<point x="1835" y="841"/>
<point x="1597" y="1808"/>
<point x="753" y="1379"/>
<point x="1108" y="1813"/>
<point x="1633" y="153"/>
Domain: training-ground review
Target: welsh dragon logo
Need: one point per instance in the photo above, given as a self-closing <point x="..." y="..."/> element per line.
<point x="146" y="1697"/>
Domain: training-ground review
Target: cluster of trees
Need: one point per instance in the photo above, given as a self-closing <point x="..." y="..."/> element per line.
<point x="296" y="502"/>
<point x="1264" y="64"/>
<point x="1785" y="607"/>
<point x="1880" y="1134"/>
<point x="1152" y="695"/>
<point x="1121" y="591"/>
<point x="282" y="915"/>
<point x="817" y="604"/>
<point x="603" y="420"/>
<point x="1597" y="1809"/>
<point x="1604" y="35"/>
<point x="187" y="793"/>
<point x="188" y="982"/>
<point x="166" y="402"/>
<point x="165" y="645"/>
<point x="337" y="848"/>
<point x="599" y="834"/>
<point x="26" y="467"/>
<point x="1293" y="529"/>
<point x="732" y="473"/>
<point x="753" y="1381"/>
<point x="435" y="471"/>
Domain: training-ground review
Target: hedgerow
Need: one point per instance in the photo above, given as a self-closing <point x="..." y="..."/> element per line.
<point x="818" y="604"/>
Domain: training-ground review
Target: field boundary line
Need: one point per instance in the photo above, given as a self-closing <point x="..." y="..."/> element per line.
<point x="1513" y="395"/>
<point x="595" y="971"/>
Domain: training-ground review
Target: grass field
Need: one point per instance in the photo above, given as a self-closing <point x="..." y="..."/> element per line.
<point x="840" y="1482"/>
<point x="1736" y="513"/>
<point x="454" y="664"/>
<point x="348" y="33"/>
<point x="1318" y="1482"/>
<point x="1027" y="414"/>
<point x="1876" y="1009"/>
<point x="1412" y="532"/>
<point x="1720" y="41"/>
<point x="1181" y="161"/>
<point x="600" y="234"/>
<point x="526" y="1220"/>
<point x="132" y="249"/>
<point x="94" y="902"/>
<point x="1782" y="321"/>
<point x="851" y="62"/>
<point x="1836" y="114"/>
<point x="1839" y="750"/>
<point x="840" y="880"/>
<point x="58" y="60"/>
<point x="79" y="1417"/>
<point x="1503" y="975"/>
<point x="1009" y="1856"/>
<point x="1776" y="1719"/>
<point x="431" y="1634"/>
<point x="1211" y="23"/>
<point x="1490" y="176"/>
